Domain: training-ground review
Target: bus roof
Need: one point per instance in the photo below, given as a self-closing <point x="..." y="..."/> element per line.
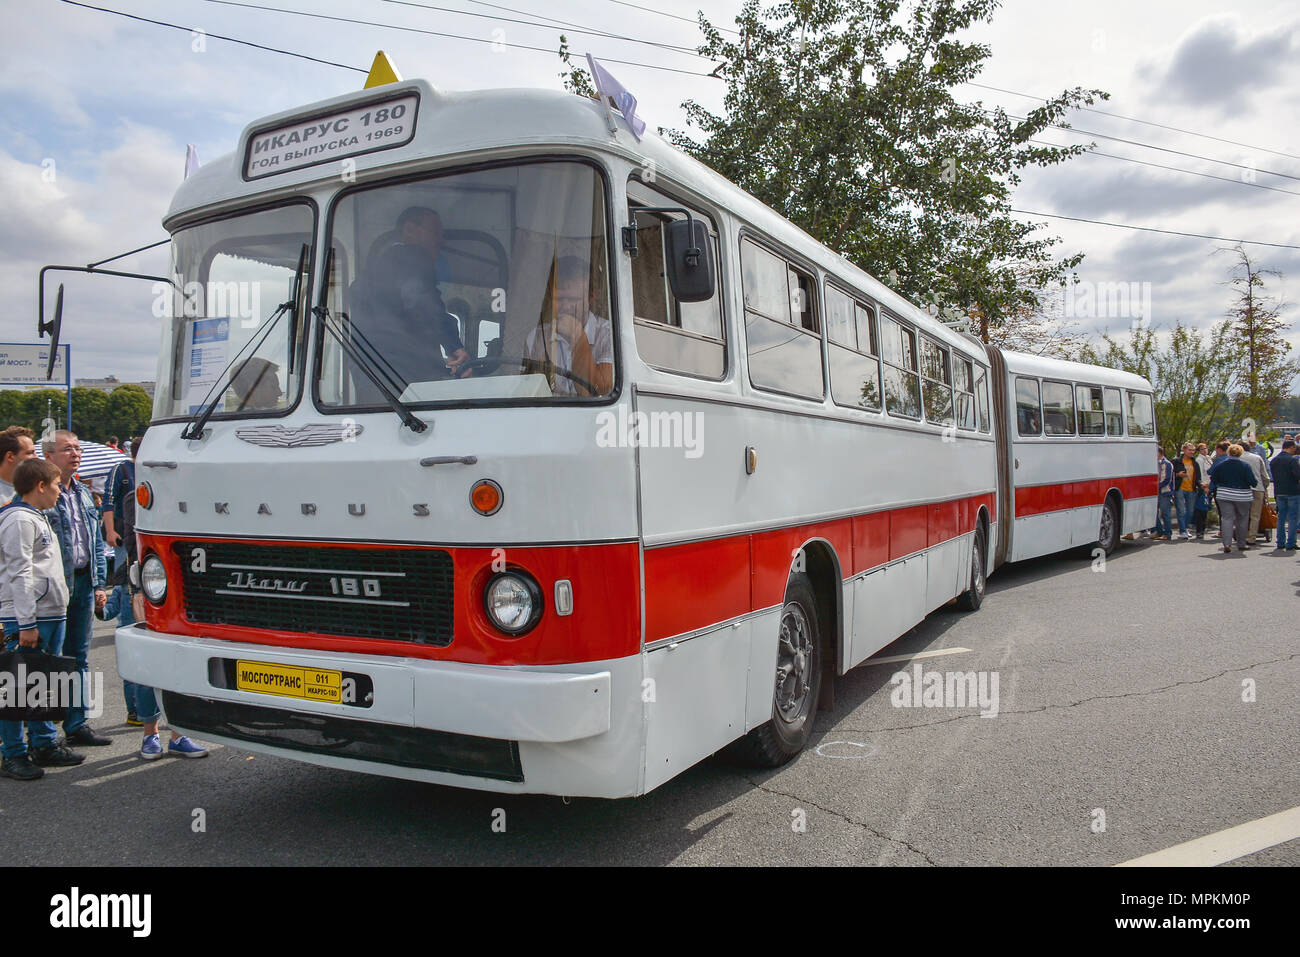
<point x="460" y="126"/>
<point x="1020" y="363"/>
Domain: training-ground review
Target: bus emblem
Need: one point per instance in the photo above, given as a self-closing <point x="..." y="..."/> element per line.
<point x="301" y="437"/>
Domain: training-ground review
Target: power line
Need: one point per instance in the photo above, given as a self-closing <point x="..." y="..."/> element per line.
<point x="1152" y="146"/>
<point x="432" y="33"/>
<point x="191" y="30"/>
<point x="572" y="27"/>
<point x="673" y="16"/>
<point x="1175" y="169"/>
<point x="1134" y="119"/>
<point x="1152" y="229"/>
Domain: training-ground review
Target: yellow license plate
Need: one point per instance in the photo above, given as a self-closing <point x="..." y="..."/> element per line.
<point x="315" y="684"/>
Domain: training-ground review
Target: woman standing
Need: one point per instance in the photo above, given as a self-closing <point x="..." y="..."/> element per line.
<point x="1235" y="482"/>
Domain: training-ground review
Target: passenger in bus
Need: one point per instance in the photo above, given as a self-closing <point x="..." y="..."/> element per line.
<point x="397" y="311"/>
<point x="255" y="386"/>
<point x="562" y="340"/>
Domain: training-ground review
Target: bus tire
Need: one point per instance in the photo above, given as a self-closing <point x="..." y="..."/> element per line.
<point x="973" y="597"/>
<point x="797" y="682"/>
<point x="1108" y="534"/>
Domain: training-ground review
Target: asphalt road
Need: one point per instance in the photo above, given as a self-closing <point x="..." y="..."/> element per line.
<point x="1120" y="692"/>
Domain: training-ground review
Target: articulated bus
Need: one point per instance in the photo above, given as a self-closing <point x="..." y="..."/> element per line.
<point x="550" y="461"/>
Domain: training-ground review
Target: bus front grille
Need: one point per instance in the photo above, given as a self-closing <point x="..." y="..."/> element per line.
<point x="397" y="594"/>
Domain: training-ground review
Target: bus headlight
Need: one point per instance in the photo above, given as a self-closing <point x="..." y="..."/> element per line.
<point x="153" y="579"/>
<point x="513" y="601"/>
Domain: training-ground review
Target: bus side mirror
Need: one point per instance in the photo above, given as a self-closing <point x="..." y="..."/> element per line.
<point x="54" y="327"/>
<point x="690" y="261"/>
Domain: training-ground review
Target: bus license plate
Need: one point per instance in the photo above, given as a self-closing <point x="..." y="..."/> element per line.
<point x="314" y="684"/>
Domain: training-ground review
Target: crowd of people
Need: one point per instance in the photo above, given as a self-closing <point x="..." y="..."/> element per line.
<point x="63" y="547"/>
<point x="1236" y="481"/>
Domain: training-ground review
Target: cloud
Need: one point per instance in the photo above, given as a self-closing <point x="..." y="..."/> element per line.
<point x="1218" y="64"/>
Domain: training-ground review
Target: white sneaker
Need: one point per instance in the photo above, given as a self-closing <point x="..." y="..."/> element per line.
<point x="1188" y="536"/>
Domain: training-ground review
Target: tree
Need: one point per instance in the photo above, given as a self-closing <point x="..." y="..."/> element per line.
<point x="129" y="411"/>
<point x="840" y="115"/>
<point x="1192" y="377"/>
<point x="1264" y="375"/>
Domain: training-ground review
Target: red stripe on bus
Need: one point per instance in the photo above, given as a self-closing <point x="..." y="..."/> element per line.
<point x="1058" y="496"/>
<point x="695" y="585"/>
<point x="686" y="577"/>
<point x="605" y="623"/>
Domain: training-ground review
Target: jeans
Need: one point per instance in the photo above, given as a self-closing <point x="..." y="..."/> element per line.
<point x="43" y="733"/>
<point x="1234" y="521"/>
<point x="1288" y="513"/>
<point x="120" y="602"/>
<point x="76" y="643"/>
<point x="1184" y="501"/>
<point x="1162" y="514"/>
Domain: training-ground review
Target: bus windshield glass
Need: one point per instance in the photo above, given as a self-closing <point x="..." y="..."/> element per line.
<point x="489" y="284"/>
<point x="232" y="275"/>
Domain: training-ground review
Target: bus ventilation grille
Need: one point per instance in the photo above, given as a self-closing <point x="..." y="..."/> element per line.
<point x="397" y="594"/>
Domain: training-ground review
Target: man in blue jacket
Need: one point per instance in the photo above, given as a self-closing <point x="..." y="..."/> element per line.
<point x="75" y="521"/>
<point x="1286" y="481"/>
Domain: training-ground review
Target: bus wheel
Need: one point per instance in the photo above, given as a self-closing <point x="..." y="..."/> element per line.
<point x="973" y="597"/>
<point x="797" y="685"/>
<point x="1108" y="536"/>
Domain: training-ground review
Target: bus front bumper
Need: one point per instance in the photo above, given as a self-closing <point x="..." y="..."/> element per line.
<point x="484" y="701"/>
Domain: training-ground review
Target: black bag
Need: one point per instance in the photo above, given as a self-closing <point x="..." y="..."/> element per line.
<point x="35" y="686"/>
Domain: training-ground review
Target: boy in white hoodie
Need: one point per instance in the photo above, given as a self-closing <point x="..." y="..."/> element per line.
<point x="33" y="608"/>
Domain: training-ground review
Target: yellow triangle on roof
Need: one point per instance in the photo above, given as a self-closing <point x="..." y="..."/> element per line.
<point x="381" y="72"/>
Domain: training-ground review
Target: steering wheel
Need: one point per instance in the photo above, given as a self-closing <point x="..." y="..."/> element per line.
<point x="521" y="361"/>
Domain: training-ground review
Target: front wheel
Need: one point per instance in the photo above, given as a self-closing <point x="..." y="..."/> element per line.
<point x="973" y="597"/>
<point x="797" y="683"/>
<point x="1108" y="534"/>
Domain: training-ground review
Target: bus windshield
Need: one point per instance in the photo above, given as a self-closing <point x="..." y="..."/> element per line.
<point x="489" y="284"/>
<point x="231" y="276"/>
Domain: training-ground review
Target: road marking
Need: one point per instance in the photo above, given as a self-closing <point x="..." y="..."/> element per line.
<point x="1226" y="845"/>
<point x="866" y="750"/>
<point x="890" y="659"/>
<point x="140" y="765"/>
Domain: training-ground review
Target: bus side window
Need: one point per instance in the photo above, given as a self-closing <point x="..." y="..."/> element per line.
<point x="1141" y="419"/>
<point x="855" y="372"/>
<point x="681" y="337"/>
<point x="781" y="337"/>
<point x="1058" y="408"/>
<point x="1091" y="417"/>
<point x="902" y="384"/>
<point x="936" y="383"/>
<point x="963" y="383"/>
<point x="982" y="399"/>
<point x="1114" y="412"/>
<point x="1029" y="411"/>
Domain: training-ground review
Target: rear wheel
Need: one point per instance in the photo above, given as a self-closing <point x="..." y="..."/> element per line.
<point x="1108" y="534"/>
<point x="797" y="685"/>
<point x="973" y="597"/>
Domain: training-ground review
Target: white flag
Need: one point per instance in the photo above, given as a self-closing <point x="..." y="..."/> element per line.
<point x="606" y="85"/>
<point x="191" y="159"/>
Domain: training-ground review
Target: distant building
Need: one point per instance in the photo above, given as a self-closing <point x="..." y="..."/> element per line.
<point x="109" y="383"/>
<point x="1285" y="428"/>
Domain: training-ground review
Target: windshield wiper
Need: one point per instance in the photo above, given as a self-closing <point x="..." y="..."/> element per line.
<point x="365" y="364"/>
<point x="194" y="429"/>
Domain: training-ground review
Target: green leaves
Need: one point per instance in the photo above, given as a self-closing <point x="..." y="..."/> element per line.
<point x="842" y="116"/>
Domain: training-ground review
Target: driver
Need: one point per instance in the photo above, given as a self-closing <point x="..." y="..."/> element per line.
<point x="584" y="347"/>
<point x="255" y="385"/>
<point x="400" y="315"/>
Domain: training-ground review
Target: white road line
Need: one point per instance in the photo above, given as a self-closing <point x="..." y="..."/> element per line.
<point x="1227" y="845"/>
<point x="890" y="659"/>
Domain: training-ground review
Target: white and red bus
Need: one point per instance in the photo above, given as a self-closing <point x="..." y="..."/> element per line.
<point x="681" y="476"/>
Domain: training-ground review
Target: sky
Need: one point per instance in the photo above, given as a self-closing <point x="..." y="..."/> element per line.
<point x="96" y="111"/>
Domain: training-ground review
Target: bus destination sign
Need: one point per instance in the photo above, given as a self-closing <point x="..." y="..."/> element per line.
<point x="332" y="136"/>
